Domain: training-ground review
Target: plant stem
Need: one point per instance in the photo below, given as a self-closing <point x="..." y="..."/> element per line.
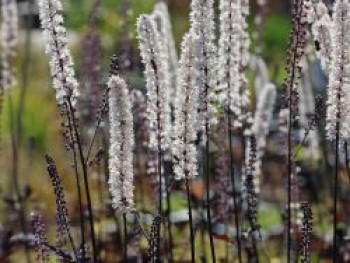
<point x="193" y="253"/>
<point x="125" y="251"/>
<point x="170" y="235"/>
<point x="77" y="181"/>
<point x="233" y="181"/>
<point x="86" y="182"/>
<point x="335" y="194"/>
<point x="207" y="178"/>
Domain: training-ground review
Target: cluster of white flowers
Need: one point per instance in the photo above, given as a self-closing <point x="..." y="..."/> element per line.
<point x="321" y="22"/>
<point x="338" y="105"/>
<point x="261" y="125"/>
<point x="121" y="146"/>
<point x="185" y="130"/>
<point x="205" y="50"/>
<point x="9" y="39"/>
<point x="162" y="18"/>
<point x="229" y="54"/>
<point x="158" y="108"/>
<point x="61" y="63"/>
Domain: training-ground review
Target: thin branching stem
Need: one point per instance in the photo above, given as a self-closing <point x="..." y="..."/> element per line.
<point x="86" y="182"/>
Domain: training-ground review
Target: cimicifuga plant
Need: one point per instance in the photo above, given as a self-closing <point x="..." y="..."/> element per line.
<point x="205" y="50"/>
<point x="158" y="108"/>
<point x="185" y="127"/>
<point x="56" y="46"/>
<point x="296" y="50"/>
<point x="338" y="125"/>
<point x="40" y="237"/>
<point x="121" y="146"/>
<point x="162" y="18"/>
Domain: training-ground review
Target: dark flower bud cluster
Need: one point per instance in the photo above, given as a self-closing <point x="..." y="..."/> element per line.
<point x="62" y="211"/>
<point x="154" y="238"/>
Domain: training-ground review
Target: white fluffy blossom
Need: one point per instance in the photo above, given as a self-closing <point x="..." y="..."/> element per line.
<point x="61" y="63"/>
<point x="205" y="50"/>
<point x="339" y="73"/>
<point x="321" y="30"/>
<point x="157" y="83"/>
<point x="121" y="146"/>
<point x="261" y="124"/>
<point x="9" y="39"/>
<point x="185" y="130"/>
<point x="230" y="54"/>
<point x="162" y="18"/>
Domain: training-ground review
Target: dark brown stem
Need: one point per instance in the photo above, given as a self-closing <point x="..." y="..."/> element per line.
<point x="193" y="253"/>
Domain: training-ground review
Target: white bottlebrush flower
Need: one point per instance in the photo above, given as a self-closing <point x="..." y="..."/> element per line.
<point x="338" y="105"/>
<point x="157" y="83"/>
<point x="229" y="54"/>
<point x="162" y="18"/>
<point x="321" y="30"/>
<point x="186" y="106"/>
<point x="61" y="63"/>
<point x="121" y="146"/>
<point x="261" y="124"/>
<point x="202" y="30"/>
<point x="9" y="39"/>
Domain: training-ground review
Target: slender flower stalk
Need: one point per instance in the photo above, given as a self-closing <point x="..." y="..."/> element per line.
<point x="205" y="50"/>
<point x="338" y="125"/>
<point x="61" y="62"/>
<point x="121" y="146"/>
<point x="300" y="9"/>
<point x="185" y="130"/>
<point x="157" y="98"/>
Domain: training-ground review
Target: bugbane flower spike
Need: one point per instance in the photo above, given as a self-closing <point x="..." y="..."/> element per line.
<point x="338" y="105"/>
<point x="185" y="130"/>
<point x="156" y="76"/>
<point x="321" y="30"/>
<point x="9" y="39"/>
<point x="229" y="54"/>
<point x="202" y="30"/>
<point x="162" y="18"/>
<point x="60" y="59"/>
<point x="121" y="146"/>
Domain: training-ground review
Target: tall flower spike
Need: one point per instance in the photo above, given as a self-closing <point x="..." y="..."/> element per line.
<point x="155" y="72"/>
<point x="60" y="59"/>
<point x="162" y="18"/>
<point x="202" y="30"/>
<point x="121" y="146"/>
<point x="229" y="54"/>
<point x="9" y="39"/>
<point x="185" y="131"/>
<point x="261" y="126"/>
<point x="321" y="30"/>
<point x="339" y="73"/>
